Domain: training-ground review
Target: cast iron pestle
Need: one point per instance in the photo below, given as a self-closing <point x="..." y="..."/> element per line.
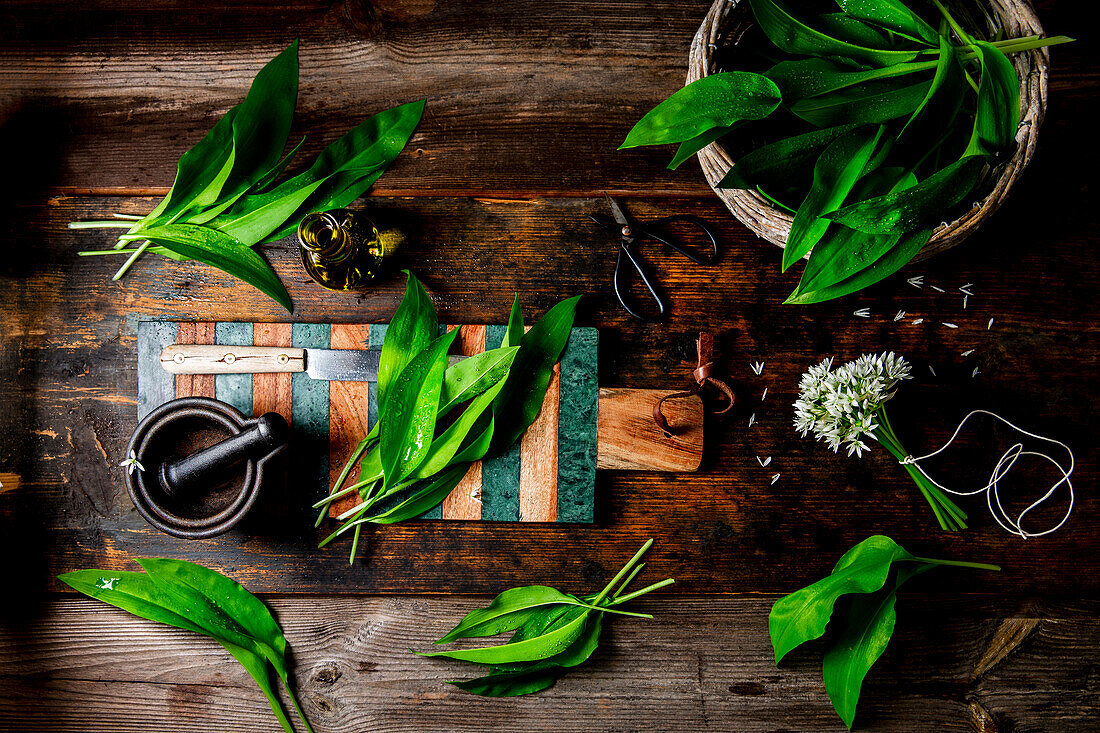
<point x="268" y="432"/>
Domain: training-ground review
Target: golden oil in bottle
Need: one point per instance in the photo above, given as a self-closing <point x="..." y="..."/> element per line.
<point x="343" y="249"/>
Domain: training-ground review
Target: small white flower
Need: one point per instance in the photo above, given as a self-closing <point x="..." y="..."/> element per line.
<point x="917" y="281"/>
<point x="899" y="316"/>
<point x="862" y="313"/>
<point x="757" y="367"/>
<point x="764" y="463"/>
<point x="838" y="406"/>
<point x="965" y="289"/>
<point x="132" y="464"/>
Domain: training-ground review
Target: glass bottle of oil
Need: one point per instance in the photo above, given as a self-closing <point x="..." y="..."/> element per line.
<point x="343" y="249"/>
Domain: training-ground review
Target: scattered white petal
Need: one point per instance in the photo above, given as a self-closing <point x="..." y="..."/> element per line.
<point x="965" y="298"/>
<point x="965" y="289"/>
<point x="765" y="395"/>
<point x="757" y="367"/>
<point x="774" y="479"/>
<point x="899" y="316"/>
<point x="862" y="313"/>
<point x="752" y="419"/>
<point x="950" y="325"/>
<point x="938" y="290"/>
<point x="932" y="370"/>
<point x="989" y="325"/>
<point x="917" y="281"/>
<point x="975" y="373"/>
<point x="765" y="462"/>
<point x="918" y="321"/>
<point x="131" y="464"/>
<point x="968" y="352"/>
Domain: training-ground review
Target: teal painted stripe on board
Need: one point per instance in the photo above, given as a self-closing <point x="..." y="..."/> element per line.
<point x="309" y="408"/>
<point x="234" y="389"/>
<point x="579" y="399"/>
<point x="500" y="475"/>
<point x="155" y="386"/>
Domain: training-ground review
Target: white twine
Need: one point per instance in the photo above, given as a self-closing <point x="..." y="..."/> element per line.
<point x="1004" y="465"/>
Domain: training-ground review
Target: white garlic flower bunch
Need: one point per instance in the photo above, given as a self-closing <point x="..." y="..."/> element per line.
<point x="840" y="406"/>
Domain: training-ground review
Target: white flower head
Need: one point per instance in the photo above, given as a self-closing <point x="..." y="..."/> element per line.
<point x="838" y="406"/>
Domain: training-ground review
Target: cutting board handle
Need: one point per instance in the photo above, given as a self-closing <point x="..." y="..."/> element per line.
<point x="217" y="359"/>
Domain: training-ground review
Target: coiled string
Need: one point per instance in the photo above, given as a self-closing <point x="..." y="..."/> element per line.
<point x="1004" y="465"/>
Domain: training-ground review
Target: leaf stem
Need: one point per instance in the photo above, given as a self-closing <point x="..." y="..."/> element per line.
<point x="649" y="588"/>
<point x="104" y="224"/>
<point x="297" y="707"/>
<point x="131" y="260"/>
<point x="959" y="563"/>
<point x="622" y="572"/>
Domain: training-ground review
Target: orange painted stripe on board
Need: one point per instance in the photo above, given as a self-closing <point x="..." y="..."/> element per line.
<point x="538" y="460"/>
<point x="347" y="414"/>
<point x="464" y="502"/>
<point x="195" y="385"/>
<point x="271" y="392"/>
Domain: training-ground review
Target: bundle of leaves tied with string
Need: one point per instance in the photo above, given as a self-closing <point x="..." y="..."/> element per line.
<point x="225" y="199"/>
<point x="435" y="417"/>
<point x="871" y="125"/>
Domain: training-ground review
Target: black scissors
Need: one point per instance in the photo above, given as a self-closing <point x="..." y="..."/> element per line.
<point x="631" y="231"/>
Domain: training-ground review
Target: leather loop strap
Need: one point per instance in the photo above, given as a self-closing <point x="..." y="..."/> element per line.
<point x="704" y="376"/>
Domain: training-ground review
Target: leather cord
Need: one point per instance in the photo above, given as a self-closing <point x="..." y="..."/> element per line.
<point x="704" y="376"/>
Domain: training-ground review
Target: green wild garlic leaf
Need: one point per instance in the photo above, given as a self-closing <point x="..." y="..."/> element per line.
<point x="717" y="100"/>
<point x="835" y="174"/>
<point x="804" y="614"/>
<point x="408" y="417"/>
<point x="794" y="36"/>
<point x="413" y="326"/>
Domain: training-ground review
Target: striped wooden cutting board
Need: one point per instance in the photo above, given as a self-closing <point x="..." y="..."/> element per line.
<point x="548" y="477"/>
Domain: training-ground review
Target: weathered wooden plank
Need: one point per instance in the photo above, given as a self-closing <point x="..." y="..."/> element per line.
<point x="700" y="664"/>
<point x="723" y="529"/>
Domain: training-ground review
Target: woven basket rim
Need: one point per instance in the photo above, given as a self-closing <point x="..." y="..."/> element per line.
<point x="1015" y="17"/>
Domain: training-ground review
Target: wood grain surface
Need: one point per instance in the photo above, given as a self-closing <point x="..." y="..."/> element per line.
<point x="526" y="104"/>
<point x="702" y="663"/>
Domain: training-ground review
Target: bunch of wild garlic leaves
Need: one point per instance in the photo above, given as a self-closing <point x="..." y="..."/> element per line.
<point x="870" y="125"/>
<point x="553" y="632"/>
<point x="225" y="201"/>
<point x="418" y="450"/>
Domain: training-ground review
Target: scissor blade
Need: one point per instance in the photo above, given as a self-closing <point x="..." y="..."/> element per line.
<point x="617" y="212"/>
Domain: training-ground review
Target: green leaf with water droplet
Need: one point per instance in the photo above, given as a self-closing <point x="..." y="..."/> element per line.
<point x="718" y="100"/>
<point x="407" y="422"/>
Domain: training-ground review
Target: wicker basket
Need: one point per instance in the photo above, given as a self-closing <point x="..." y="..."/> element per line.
<point x="1016" y="17"/>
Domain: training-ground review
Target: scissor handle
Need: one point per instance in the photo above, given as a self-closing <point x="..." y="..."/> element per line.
<point x="643" y="274"/>
<point x="655" y="230"/>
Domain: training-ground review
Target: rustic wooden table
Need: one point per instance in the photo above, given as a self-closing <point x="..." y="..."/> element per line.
<point x="526" y="104"/>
